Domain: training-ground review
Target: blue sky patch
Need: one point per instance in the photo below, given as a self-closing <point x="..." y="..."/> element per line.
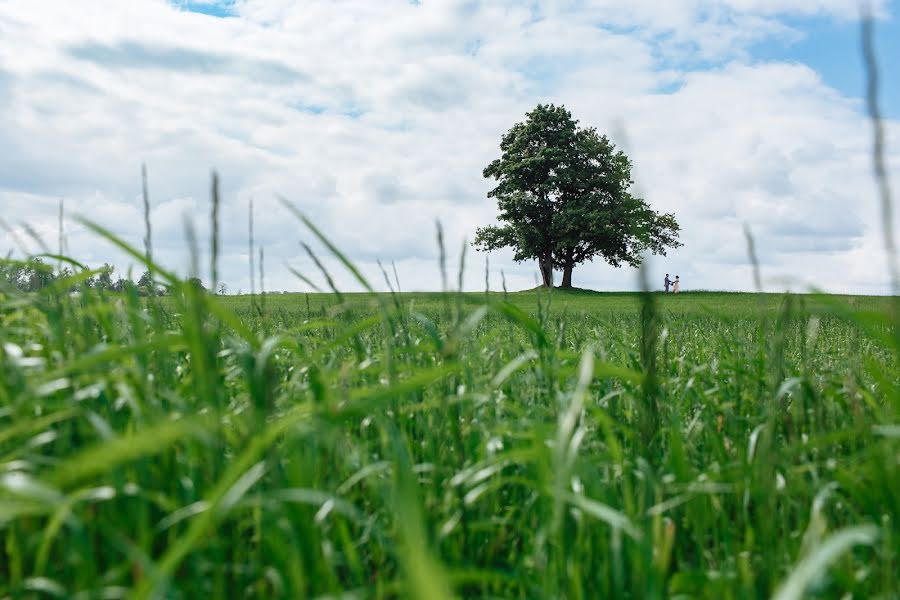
<point x="313" y="109"/>
<point x="833" y="49"/>
<point x="213" y="8"/>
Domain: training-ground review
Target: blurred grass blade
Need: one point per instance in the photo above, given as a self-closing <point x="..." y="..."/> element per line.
<point x="136" y="254"/>
<point x="105" y="457"/>
<point x="608" y="515"/>
<point x="814" y="564"/>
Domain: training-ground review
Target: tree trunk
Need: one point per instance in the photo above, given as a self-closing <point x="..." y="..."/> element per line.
<point x="567" y="276"/>
<point x="546" y="265"/>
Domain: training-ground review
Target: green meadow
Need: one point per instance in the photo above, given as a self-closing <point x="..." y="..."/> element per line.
<point x="539" y="444"/>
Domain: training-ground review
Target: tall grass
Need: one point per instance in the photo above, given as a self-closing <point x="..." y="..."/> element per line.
<point x="476" y="445"/>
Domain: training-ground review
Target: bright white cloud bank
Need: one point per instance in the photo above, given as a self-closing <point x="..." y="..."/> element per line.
<point x="377" y="117"/>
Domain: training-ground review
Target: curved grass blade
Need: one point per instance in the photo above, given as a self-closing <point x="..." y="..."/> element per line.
<point x="331" y="247"/>
<point x="141" y="257"/>
<point x="199" y="526"/>
<point x="815" y="563"/>
<point x="106" y="456"/>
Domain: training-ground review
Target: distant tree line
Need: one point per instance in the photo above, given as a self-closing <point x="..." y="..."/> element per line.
<point x="35" y="274"/>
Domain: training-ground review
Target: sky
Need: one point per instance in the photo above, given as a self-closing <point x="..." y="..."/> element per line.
<point x="376" y="119"/>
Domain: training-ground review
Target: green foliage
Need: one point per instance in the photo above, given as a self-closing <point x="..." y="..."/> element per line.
<point x="538" y="444"/>
<point x="104" y="278"/>
<point x="34" y="275"/>
<point x="196" y="283"/>
<point x="146" y="284"/>
<point x="563" y="195"/>
<point x="27" y="276"/>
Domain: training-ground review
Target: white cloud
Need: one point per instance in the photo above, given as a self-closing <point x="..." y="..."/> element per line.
<point x="378" y="117"/>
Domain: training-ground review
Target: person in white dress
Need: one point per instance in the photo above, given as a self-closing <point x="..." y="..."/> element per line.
<point x="676" y="285"/>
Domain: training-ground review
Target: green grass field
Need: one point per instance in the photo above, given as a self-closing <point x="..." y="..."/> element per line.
<point x="529" y="445"/>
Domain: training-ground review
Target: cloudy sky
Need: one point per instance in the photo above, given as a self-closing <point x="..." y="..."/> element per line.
<point x="376" y="118"/>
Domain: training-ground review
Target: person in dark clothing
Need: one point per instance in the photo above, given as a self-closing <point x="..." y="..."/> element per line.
<point x="667" y="283"/>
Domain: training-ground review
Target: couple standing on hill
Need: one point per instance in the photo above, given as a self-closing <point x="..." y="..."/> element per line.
<point x="676" y="285"/>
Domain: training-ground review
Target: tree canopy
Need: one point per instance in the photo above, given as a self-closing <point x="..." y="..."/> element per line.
<point x="563" y="196"/>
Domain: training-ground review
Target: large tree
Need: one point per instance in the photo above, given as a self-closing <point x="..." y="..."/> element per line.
<point x="563" y="195"/>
